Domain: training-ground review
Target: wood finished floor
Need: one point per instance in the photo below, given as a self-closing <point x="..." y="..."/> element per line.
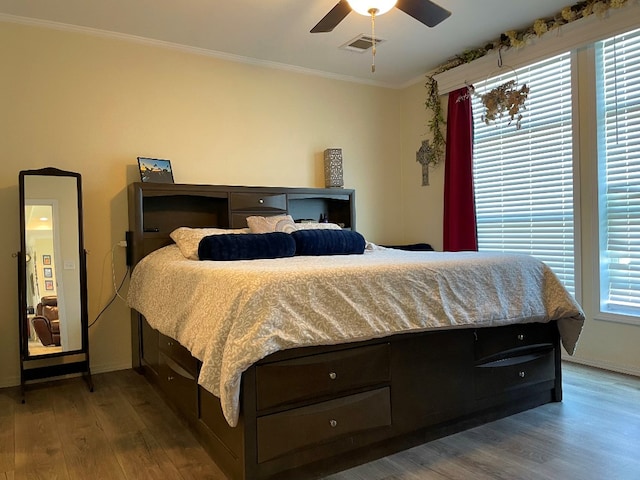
<point x="123" y="430"/>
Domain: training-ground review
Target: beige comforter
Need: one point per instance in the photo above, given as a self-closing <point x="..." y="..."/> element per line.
<point x="232" y="314"/>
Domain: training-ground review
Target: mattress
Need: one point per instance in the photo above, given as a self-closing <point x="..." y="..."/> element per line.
<point x="230" y="314"/>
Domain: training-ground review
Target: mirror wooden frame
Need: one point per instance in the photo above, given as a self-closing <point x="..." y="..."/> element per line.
<point x="58" y="363"/>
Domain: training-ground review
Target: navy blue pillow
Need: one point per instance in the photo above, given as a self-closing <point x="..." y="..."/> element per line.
<point x="249" y="246"/>
<point x="328" y="242"/>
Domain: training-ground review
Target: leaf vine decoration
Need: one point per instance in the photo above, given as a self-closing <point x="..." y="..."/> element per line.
<point x="435" y="125"/>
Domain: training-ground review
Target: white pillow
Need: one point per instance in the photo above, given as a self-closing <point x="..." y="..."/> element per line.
<point x="259" y="224"/>
<point x="286" y="225"/>
<point x="188" y="239"/>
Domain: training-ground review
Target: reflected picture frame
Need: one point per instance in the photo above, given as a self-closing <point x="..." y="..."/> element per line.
<point x="48" y="285"/>
<point x="48" y="272"/>
<point x="155" y="170"/>
<point x="46" y="259"/>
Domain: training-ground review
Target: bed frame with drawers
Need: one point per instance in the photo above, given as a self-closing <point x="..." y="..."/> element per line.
<point x="311" y="411"/>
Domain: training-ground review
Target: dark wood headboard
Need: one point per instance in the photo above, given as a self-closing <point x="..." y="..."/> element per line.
<point x="156" y="209"/>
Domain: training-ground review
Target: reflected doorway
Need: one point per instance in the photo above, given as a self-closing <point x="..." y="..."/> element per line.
<point x="47" y="332"/>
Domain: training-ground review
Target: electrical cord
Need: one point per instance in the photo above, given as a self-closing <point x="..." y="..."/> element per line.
<point x="115" y="295"/>
<point x="113" y="275"/>
<point x="116" y="288"/>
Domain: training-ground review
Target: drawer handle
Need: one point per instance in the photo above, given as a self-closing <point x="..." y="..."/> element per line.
<point x="333" y="423"/>
<point x="261" y="201"/>
<point x="170" y="378"/>
<point x="170" y="344"/>
<point x="333" y="375"/>
<point x="522" y="374"/>
<point x="521" y="337"/>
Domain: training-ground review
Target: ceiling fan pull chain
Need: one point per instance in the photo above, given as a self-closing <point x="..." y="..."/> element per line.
<point x="373" y="40"/>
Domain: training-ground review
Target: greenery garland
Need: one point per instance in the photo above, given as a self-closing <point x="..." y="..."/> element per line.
<point x="509" y="39"/>
<point x="435" y="147"/>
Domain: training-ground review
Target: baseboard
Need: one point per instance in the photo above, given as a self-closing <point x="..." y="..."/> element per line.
<point x="109" y="367"/>
<point x="95" y="369"/>
<point x="10" y="382"/>
<point x="604" y="365"/>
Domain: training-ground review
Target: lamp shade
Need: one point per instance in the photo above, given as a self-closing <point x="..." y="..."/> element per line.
<point x="333" y="168"/>
<point x="363" y="7"/>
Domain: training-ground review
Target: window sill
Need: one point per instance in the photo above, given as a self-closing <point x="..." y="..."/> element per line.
<point x="617" y="318"/>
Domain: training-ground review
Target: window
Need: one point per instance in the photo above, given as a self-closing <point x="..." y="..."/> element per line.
<point x="524" y="178"/>
<point x="618" y="67"/>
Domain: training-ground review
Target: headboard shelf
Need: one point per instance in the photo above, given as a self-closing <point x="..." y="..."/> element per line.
<point x="156" y="209"/>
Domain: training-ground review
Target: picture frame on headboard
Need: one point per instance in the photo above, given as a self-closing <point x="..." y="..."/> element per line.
<point x="155" y="170"/>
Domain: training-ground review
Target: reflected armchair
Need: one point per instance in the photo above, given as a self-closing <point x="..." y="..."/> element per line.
<point x="46" y="322"/>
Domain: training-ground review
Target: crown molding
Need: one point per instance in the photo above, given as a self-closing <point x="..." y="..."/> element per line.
<point x="65" y="27"/>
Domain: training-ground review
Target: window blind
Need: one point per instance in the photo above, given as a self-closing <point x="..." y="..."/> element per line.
<point x="523" y="179"/>
<point x="618" y="67"/>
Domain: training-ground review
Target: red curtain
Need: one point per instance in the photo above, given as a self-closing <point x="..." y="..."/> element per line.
<point x="459" y="204"/>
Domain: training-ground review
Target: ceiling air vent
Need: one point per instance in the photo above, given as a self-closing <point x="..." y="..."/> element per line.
<point x="361" y="43"/>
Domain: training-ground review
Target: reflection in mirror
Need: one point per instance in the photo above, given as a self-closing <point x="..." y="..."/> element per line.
<point x="53" y="279"/>
<point x="52" y="275"/>
<point x="44" y="334"/>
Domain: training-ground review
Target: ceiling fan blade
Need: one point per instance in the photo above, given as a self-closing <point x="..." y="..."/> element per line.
<point x="333" y="18"/>
<point x="424" y="11"/>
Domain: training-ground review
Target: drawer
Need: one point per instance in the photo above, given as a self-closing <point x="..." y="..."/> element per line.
<point x="315" y="376"/>
<point x="515" y="372"/>
<point x="305" y="427"/>
<point x="258" y="201"/>
<point x="179" y="354"/>
<point x="179" y="386"/>
<point x="508" y="340"/>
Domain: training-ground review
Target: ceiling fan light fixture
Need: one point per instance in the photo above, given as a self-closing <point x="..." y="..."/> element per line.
<point x="364" y="7"/>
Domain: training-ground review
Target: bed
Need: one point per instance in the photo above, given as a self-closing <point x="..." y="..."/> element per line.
<point x="299" y="366"/>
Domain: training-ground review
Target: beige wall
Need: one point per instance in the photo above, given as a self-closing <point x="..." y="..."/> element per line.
<point x="92" y="105"/>
<point x="422" y="207"/>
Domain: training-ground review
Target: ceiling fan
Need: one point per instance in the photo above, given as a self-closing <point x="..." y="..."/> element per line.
<point x="424" y="11"/>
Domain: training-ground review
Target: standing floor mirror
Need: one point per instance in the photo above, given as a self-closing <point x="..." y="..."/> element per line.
<point x="52" y="276"/>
